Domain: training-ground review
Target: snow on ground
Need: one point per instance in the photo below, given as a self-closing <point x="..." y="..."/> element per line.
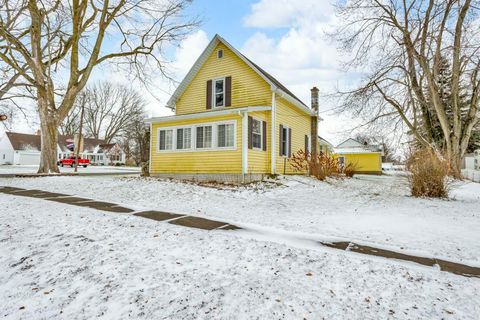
<point x="64" y="262"/>
<point x="372" y="210"/>
<point x="26" y="169"/>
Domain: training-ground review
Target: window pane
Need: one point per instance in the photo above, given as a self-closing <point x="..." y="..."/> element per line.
<point x="221" y="135"/>
<point x="204" y="137"/>
<point x="179" y="138"/>
<point x="187" y="138"/>
<point x="225" y="135"/>
<point x="161" y="140"/>
<point x="230" y="135"/>
<point x="257" y="134"/>
<point x="257" y="141"/>
<point x="257" y="127"/>
<point x="168" y="139"/>
<point x="219" y="86"/>
<point x="165" y="139"/>
<point x="219" y="100"/>
<point x="208" y="137"/>
<point x="199" y="137"/>
<point x="184" y="138"/>
<point x="218" y="93"/>
<point x="284" y="141"/>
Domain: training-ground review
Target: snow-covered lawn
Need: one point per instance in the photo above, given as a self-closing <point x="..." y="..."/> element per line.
<point x="26" y="169"/>
<point x="68" y="262"/>
<point x="372" y="210"/>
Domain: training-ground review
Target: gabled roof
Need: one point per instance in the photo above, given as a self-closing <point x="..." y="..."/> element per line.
<point x="23" y="141"/>
<point x="274" y="83"/>
<point x="32" y="142"/>
<point x="350" y="142"/>
<point x="353" y="146"/>
<point x="325" y="141"/>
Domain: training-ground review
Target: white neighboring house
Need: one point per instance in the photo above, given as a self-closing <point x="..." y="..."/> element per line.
<point x="24" y="149"/>
<point x="353" y="146"/>
<point x="471" y="161"/>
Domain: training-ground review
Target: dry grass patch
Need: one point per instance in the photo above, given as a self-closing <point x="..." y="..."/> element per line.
<point x="429" y="172"/>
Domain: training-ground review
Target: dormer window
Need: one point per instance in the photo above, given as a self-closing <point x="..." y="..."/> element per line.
<point x="220" y="54"/>
<point x="219" y="93"/>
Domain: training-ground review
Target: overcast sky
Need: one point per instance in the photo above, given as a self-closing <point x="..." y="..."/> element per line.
<point x="287" y="38"/>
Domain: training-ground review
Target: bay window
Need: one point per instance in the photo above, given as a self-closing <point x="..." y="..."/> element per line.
<point x="198" y="137"/>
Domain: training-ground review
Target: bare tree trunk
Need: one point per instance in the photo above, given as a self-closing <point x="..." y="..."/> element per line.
<point x="49" y="138"/>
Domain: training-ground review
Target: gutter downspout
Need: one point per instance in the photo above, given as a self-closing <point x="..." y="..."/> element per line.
<point x="244" y="145"/>
<point x="151" y="151"/>
<point x="314" y="123"/>
<point x="273" y="142"/>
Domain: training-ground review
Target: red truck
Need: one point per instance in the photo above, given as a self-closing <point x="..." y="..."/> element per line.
<point x="70" y="161"/>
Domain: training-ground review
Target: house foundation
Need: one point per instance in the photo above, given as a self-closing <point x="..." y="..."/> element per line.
<point x="232" y="178"/>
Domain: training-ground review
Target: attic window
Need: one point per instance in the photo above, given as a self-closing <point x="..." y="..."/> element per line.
<point x="220" y="54"/>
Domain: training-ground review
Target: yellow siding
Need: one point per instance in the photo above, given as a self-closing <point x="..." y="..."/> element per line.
<point x="259" y="160"/>
<point x="215" y="161"/>
<point x="248" y="88"/>
<point x="300" y="123"/>
<point x="364" y="162"/>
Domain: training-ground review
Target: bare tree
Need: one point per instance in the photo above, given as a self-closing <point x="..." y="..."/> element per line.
<point x="71" y="123"/>
<point x="399" y="46"/>
<point x="53" y="46"/>
<point x="111" y="110"/>
<point x="137" y="142"/>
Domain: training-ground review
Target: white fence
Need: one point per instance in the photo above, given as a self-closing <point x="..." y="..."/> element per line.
<point x="473" y="175"/>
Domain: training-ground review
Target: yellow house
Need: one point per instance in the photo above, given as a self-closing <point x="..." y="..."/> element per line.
<point x="365" y="158"/>
<point x="324" y="146"/>
<point x="233" y="122"/>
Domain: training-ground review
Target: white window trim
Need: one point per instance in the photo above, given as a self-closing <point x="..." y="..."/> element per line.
<point x="173" y="139"/>
<point x="287" y="147"/>
<point x="261" y="134"/>
<point x="174" y="144"/>
<point x="194" y="135"/>
<point x="234" y="136"/>
<point x="193" y="144"/>
<point x="214" y="105"/>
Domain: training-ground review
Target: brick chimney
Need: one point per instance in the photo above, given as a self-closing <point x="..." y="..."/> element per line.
<point x="314" y="122"/>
